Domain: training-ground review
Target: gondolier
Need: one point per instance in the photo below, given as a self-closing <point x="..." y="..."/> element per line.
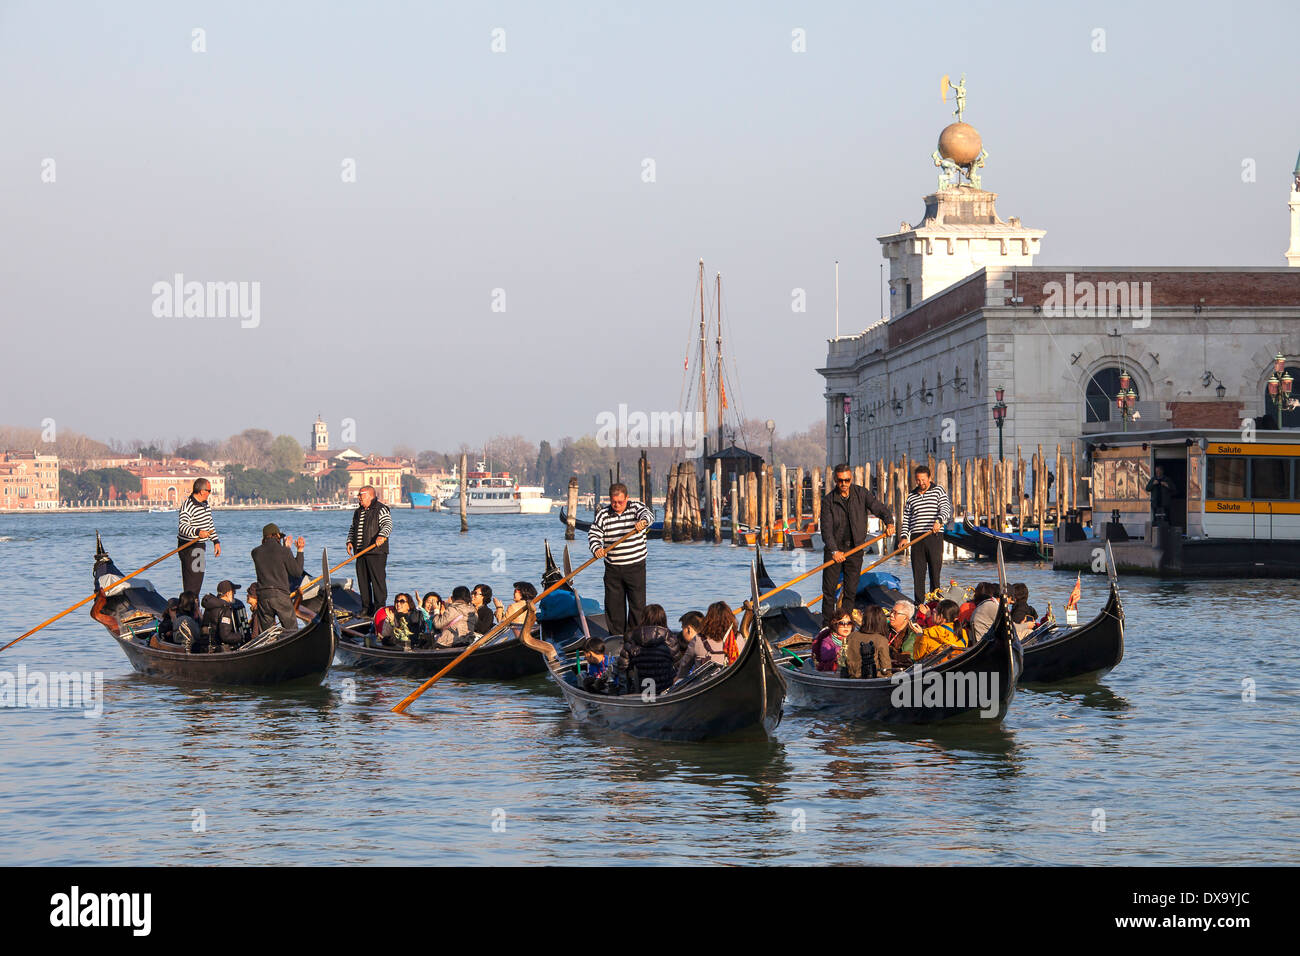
<point x="844" y="527"/>
<point x="927" y="509"/>
<point x="371" y="524"/>
<point x="195" y="521"/>
<point x="624" y="564"/>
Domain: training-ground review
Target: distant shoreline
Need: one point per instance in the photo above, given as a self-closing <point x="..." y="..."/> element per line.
<point x="137" y="509"/>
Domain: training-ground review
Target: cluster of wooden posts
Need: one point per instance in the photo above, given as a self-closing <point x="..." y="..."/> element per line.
<point x="766" y="504"/>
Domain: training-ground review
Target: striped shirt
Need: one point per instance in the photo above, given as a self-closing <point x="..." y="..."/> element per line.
<point x="195" y="516"/>
<point x="385" y="526"/>
<point x="609" y="527"/>
<point x="923" y="509"/>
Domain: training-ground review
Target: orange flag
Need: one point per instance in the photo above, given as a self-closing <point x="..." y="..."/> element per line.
<point x="1077" y="593"/>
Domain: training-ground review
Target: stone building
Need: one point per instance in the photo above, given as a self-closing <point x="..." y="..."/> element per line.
<point x="971" y="313"/>
<point x="29" y="481"/>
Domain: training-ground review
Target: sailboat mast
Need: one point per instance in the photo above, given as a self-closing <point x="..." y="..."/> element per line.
<point x="704" y="389"/>
<point x="719" y="371"/>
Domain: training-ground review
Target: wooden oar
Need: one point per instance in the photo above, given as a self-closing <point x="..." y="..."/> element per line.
<point x="881" y="561"/>
<point x="532" y="609"/>
<point x="92" y="597"/>
<point x="821" y="567"/>
<point x="351" y="558"/>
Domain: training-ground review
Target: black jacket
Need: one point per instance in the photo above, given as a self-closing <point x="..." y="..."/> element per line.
<point x="276" y="566"/>
<point x="220" y="620"/>
<point x="844" y="521"/>
<point x="486" y="618"/>
<point x="647" y="655"/>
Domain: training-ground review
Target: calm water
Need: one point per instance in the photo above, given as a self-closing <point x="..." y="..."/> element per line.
<point x="1184" y="769"/>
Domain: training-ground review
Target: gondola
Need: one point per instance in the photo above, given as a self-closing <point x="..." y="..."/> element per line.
<point x="503" y="658"/>
<point x="977" y="682"/>
<point x="1056" y="652"/>
<point x="785" y="616"/>
<point x="744" y="696"/>
<point x="983" y="542"/>
<point x="131" y="614"/>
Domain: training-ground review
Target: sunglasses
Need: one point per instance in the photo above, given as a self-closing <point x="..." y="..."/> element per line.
<point x="844" y="624"/>
<point x="843" y="481"/>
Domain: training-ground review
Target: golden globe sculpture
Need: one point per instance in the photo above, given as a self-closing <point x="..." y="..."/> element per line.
<point x="960" y="142"/>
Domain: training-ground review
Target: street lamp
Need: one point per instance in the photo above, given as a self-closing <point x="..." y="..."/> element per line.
<point x="999" y="415"/>
<point x="771" y="432"/>
<point x="848" y="406"/>
<point x="1279" y="387"/>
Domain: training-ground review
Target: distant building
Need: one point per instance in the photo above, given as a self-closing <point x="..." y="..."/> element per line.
<point x="385" y="474"/>
<point x="29" y="481"/>
<point x="319" y="440"/>
<point x="172" y="485"/>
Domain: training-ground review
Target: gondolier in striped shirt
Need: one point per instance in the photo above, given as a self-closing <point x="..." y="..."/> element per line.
<point x="194" y="520"/>
<point x="625" y="564"/>
<point x="927" y="509"/>
<point x="371" y="524"/>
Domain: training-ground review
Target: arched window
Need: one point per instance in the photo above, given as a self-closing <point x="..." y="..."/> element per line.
<point x="1290" y="416"/>
<point x="1100" y="396"/>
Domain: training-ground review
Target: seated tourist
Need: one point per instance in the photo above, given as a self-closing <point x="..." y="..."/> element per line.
<point x="866" y="654"/>
<point x="524" y="594"/>
<point x="828" y="646"/>
<point x="250" y="623"/>
<point x="601" y="676"/>
<point x="985" y="613"/>
<point x="718" y="633"/>
<point x="221" y="624"/>
<point x="647" y="654"/>
<point x="456" y="622"/>
<point x="185" y="631"/>
<point x="485" y="609"/>
<point x="408" y="623"/>
<point x="943" y="633"/>
<point x="692" y="647"/>
<point x="902" y="631"/>
<point x="1023" y="616"/>
<point x="383" y="627"/>
<point x="430" y="607"/>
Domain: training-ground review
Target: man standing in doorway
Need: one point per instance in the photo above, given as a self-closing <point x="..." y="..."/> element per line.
<point x="927" y="509"/>
<point x="625" y="564"/>
<point x="1162" y="491"/>
<point x="844" y="527"/>
<point x="371" y="524"/>
<point x="195" y="521"/>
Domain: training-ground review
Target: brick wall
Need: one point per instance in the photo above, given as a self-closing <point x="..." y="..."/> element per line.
<point x="1217" y="414"/>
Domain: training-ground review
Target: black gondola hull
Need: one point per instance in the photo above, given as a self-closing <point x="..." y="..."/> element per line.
<point x="505" y="660"/>
<point x="1089" y="651"/>
<point x="746" y="696"/>
<point x="978" y="684"/>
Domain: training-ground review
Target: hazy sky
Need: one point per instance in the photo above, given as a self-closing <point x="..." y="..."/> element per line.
<point x="523" y="171"/>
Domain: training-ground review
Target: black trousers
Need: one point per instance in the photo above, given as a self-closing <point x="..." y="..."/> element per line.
<point x="624" y="596"/>
<point x="927" y="554"/>
<point x="194" y="562"/>
<point x="273" y="603"/>
<point x="850" y="569"/>
<point x="372" y="581"/>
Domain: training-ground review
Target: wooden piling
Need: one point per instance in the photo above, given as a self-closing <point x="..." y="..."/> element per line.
<point x="735" y="509"/>
<point x="815" y="482"/>
<point x="464" y="493"/>
<point x="571" y="513"/>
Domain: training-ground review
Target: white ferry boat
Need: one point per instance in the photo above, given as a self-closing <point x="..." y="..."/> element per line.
<point x="497" y="493"/>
